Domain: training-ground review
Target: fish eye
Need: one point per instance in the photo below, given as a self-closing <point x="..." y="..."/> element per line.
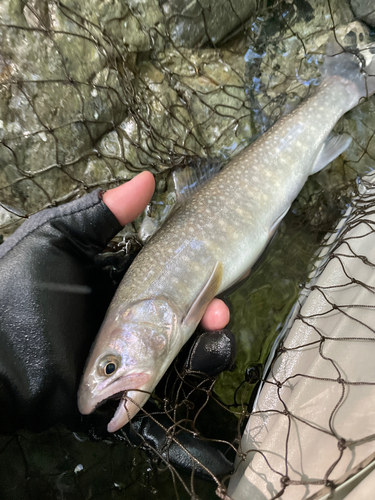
<point x="108" y="366"/>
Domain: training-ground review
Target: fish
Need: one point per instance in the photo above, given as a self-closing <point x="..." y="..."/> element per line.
<point x="214" y="238"/>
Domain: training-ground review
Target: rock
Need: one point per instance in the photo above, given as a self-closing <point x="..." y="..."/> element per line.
<point x="364" y="10"/>
<point x="57" y="97"/>
<point x="195" y="23"/>
<point x="89" y="100"/>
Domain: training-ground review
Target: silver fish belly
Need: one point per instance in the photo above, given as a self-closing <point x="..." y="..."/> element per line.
<point x="210" y="242"/>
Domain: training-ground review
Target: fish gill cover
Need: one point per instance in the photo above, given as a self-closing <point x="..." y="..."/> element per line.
<point x="93" y="92"/>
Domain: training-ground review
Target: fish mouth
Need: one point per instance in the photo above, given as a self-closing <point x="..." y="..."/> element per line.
<point x="118" y="395"/>
<point x="132" y="398"/>
<point x="131" y="390"/>
<point x="130" y="403"/>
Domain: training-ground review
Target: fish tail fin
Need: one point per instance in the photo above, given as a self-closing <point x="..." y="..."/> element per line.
<point x="355" y="65"/>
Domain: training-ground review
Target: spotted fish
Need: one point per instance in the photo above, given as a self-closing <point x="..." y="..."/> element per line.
<point x="213" y="239"/>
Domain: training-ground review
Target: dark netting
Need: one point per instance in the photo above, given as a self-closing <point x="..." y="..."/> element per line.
<point x="91" y="93"/>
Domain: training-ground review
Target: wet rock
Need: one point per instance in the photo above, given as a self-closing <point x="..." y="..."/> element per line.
<point x="127" y="25"/>
<point x="79" y="107"/>
<point x="197" y="23"/>
<point x="364" y="10"/>
<point x="57" y="97"/>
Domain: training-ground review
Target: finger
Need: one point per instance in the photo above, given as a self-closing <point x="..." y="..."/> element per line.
<point x="129" y="200"/>
<point x="216" y="316"/>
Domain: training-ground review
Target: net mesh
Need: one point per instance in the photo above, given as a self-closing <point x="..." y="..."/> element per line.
<point x="93" y="92"/>
<point x="329" y="330"/>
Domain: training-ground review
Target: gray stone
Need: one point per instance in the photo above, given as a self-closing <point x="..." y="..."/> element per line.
<point x="195" y="23"/>
<point x="364" y="10"/>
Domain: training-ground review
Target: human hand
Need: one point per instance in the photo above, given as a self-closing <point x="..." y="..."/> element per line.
<point x="53" y="299"/>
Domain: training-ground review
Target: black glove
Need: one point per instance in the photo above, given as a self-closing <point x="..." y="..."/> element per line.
<point x="52" y="301"/>
<point x="53" y="297"/>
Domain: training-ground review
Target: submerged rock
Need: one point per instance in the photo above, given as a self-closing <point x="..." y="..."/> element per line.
<point x="365" y="10"/>
<point x="192" y="23"/>
<point x="58" y="95"/>
<point x="89" y="99"/>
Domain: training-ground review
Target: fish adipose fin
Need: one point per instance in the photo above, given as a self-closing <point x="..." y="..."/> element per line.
<point x="205" y="296"/>
<point x="334" y="145"/>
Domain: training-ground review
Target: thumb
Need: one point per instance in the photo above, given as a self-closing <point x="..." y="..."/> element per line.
<point x="129" y="200"/>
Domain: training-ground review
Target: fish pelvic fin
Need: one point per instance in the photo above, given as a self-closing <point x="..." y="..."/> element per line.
<point x="352" y="59"/>
<point x="333" y="146"/>
<point x="208" y="292"/>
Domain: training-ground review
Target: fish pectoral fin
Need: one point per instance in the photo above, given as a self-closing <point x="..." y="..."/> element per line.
<point x="205" y="296"/>
<point x="276" y="224"/>
<point x="334" y="145"/>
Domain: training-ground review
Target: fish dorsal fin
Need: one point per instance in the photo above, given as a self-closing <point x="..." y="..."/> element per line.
<point x="148" y="228"/>
<point x="208" y="292"/>
<point x="334" y="145"/>
<point x="187" y="181"/>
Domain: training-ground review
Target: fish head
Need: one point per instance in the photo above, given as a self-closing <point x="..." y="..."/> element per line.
<point x="129" y="357"/>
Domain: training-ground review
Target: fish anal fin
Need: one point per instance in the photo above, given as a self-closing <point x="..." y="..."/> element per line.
<point x="334" y="145"/>
<point x="205" y="296"/>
